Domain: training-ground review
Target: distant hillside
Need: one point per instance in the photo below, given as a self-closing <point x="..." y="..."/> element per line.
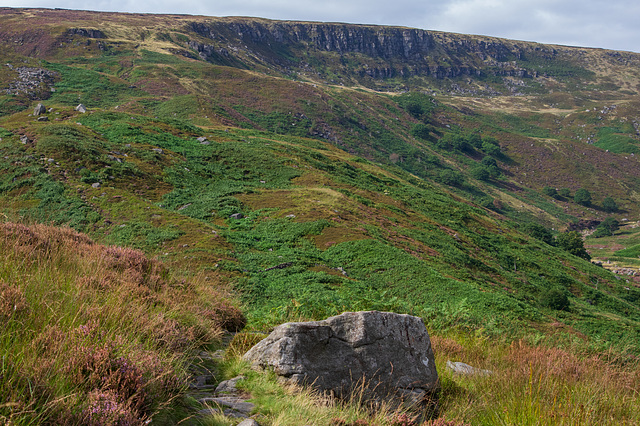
<point x="365" y="167"/>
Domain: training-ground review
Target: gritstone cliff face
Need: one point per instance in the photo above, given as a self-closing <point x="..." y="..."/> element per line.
<point x="394" y="51"/>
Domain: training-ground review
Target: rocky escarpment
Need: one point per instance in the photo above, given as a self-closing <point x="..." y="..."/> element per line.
<point x="369" y="51"/>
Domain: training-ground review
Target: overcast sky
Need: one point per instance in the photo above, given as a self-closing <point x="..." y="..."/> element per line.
<point x="610" y="24"/>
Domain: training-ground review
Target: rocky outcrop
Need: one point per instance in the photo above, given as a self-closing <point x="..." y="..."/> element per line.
<point x="86" y="32"/>
<point x="390" y="353"/>
<point x="35" y="83"/>
<point x="396" y="51"/>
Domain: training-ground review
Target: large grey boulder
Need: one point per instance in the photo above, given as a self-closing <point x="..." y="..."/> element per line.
<point x="391" y="353"/>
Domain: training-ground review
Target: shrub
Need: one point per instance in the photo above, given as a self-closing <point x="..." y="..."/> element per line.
<point x="462" y="143"/>
<point x="609" y="205"/>
<point x="422" y="131"/>
<point x="564" y="192"/>
<point x="450" y="177"/>
<point x="572" y="242"/>
<point x="582" y="196"/>
<point x="417" y="104"/>
<point x="490" y="147"/>
<point x="227" y="316"/>
<point x="491" y="166"/>
<point x="607" y="228"/>
<point x="539" y="232"/>
<point x="433" y="159"/>
<point x="474" y="140"/>
<point x="480" y="172"/>
<point x="549" y="191"/>
<point x="446" y="142"/>
<point x="555" y="299"/>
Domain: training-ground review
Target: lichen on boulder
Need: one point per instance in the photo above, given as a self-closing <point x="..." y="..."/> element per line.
<point x="387" y="352"/>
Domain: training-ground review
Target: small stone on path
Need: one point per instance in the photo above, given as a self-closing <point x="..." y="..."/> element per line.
<point x="466" y="369"/>
<point x="229" y="386"/>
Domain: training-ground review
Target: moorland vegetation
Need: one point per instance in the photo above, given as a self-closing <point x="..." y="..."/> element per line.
<point x="223" y="181"/>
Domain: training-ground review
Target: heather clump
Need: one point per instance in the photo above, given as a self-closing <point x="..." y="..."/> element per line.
<point x="12" y="300"/>
<point x="105" y="408"/>
<point x="228" y="316"/>
<point x="94" y="334"/>
<point x="40" y="239"/>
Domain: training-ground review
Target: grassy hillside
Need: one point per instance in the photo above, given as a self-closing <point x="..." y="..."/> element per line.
<point x="403" y="202"/>
<point x="306" y="194"/>
<point x="321" y="231"/>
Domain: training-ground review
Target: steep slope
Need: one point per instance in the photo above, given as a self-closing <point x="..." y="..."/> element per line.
<point x="343" y="197"/>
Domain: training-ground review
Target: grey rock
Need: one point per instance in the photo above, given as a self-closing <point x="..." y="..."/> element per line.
<point x="96" y="185"/>
<point x="39" y="109"/>
<point x="237" y="216"/>
<point x="208" y="411"/>
<point x="466" y="369"/>
<point x="229" y="402"/>
<point x="204" y="355"/>
<point x="235" y="414"/>
<point x="33" y="82"/>
<point x="201" y="139"/>
<point x="219" y="354"/>
<point x="248" y="422"/>
<point x="413" y="397"/>
<point x="204" y="381"/>
<point x="81" y="108"/>
<point x="24" y="140"/>
<point x="86" y="32"/>
<point x="43" y="118"/>
<point x="229" y="386"/>
<point x="390" y="352"/>
<point x="158" y="150"/>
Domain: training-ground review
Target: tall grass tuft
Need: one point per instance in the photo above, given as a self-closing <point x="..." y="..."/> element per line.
<point x="532" y="385"/>
<point x="92" y="334"/>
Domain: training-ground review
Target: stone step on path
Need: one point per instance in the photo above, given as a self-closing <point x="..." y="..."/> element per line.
<point x="228" y="400"/>
<point x="224" y="398"/>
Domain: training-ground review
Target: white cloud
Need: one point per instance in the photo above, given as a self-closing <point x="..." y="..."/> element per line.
<point x="572" y="22"/>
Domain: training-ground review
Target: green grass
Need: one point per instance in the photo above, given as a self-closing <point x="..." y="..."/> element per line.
<point x="417" y="251"/>
<point x="94" y="90"/>
<point x="611" y="138"/>
<point x="633" y="251"/>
